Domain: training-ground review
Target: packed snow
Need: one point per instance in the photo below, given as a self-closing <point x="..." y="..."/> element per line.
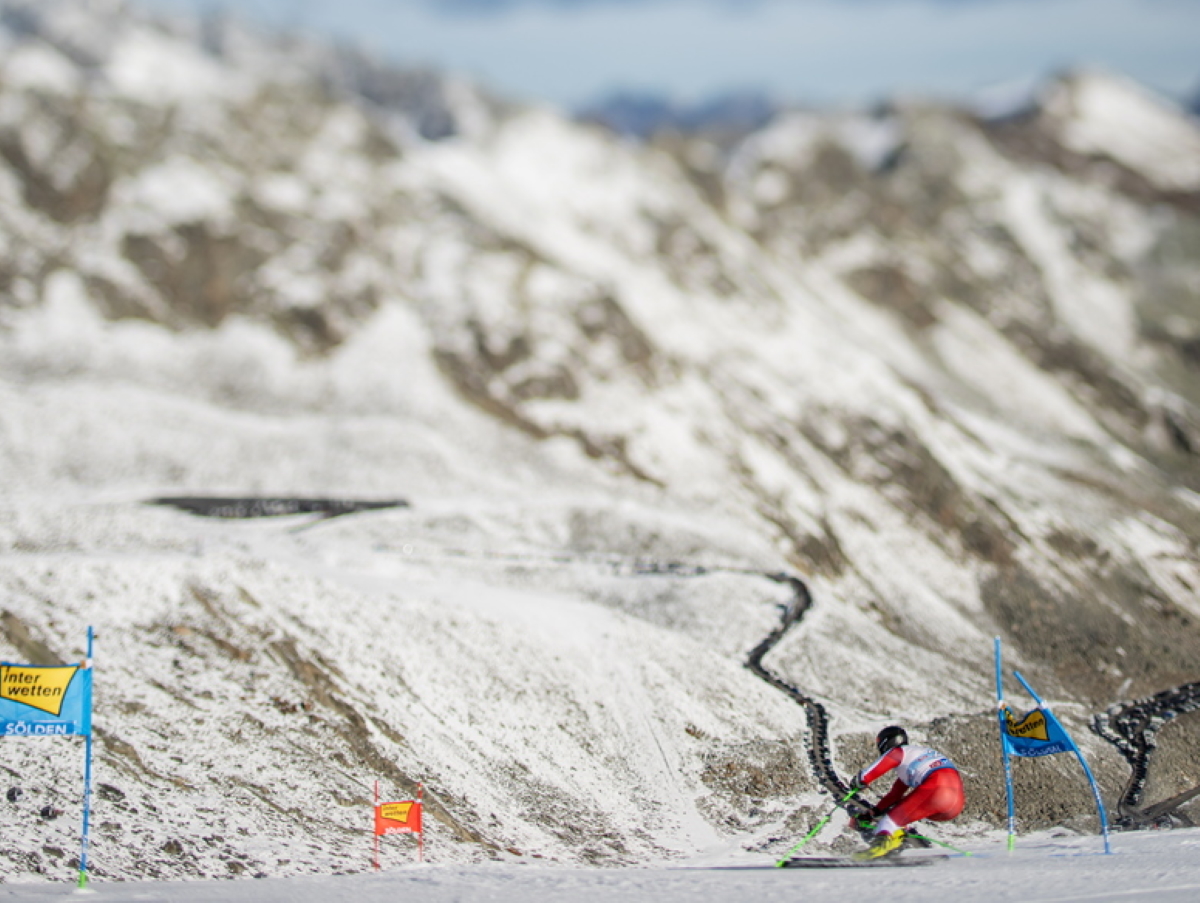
<point x="1042" y="869"/>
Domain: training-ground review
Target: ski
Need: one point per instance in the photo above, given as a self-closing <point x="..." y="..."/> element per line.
<point x="841" y="862"/>
<point x="847" y="862"/>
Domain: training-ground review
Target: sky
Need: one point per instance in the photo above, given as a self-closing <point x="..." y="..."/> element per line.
<point x="569" y="52"/>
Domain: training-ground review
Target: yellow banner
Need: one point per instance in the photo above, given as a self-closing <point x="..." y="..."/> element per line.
<point x="395" y="811"/>
<point x="42" y="688"/>
<point x="1031" y="727"/>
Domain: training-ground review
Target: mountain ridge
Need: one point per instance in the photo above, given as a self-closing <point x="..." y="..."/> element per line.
<point x="937" y="365"/>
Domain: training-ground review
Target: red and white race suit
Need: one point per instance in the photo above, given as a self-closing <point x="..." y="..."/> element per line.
<point x="927" y="786"/>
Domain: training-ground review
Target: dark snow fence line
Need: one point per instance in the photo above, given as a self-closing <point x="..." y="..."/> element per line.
<point x="791" y="613"/>
<point x="818" y="719"/>
<point x="239" y="507"/>
<point x="1132" y="727"/>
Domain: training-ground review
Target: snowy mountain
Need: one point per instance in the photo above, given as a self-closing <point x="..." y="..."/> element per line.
<point x="645" y="114"/>
<point x="935" y="368"/>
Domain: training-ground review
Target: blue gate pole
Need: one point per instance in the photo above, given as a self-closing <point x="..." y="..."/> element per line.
<point x="1082" y="761"/>
<point x="1008" y="784"/>
<point x="87" y="779"/>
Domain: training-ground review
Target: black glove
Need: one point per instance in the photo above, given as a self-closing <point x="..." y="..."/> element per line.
<point x="858" y="810"/>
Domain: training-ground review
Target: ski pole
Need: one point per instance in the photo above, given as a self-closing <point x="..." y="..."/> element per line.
<point x="816" y="829"/>
<point x="940" y="844"/>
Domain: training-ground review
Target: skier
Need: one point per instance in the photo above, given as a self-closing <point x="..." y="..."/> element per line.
<point x="927" y="786"/>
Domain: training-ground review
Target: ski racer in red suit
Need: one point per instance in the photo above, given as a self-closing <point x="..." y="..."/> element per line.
<point x="927" y="786"/>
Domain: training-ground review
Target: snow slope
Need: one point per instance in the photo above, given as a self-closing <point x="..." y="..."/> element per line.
<point x="943" y="369"/>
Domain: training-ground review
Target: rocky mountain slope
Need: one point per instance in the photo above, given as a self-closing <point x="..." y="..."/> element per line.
<point x="939" y="364"/>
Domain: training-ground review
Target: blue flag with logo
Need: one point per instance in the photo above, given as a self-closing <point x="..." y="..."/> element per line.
<point x="45" y="700"/>
<point x="1038" y="733"/>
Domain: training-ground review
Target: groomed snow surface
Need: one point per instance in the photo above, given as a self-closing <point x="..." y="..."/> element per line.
<point x="1159" y="866"/>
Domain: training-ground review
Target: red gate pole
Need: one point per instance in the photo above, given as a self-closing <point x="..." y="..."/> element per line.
<point x="374" y="828"/>
<point x="421" y="834"/>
